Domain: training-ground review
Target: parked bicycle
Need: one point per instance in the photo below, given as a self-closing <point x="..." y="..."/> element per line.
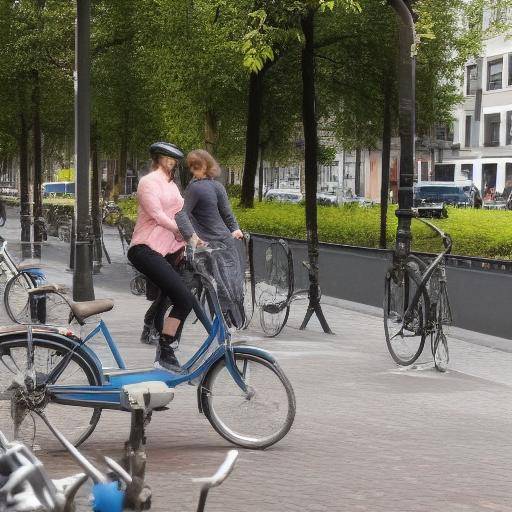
<point x="276" y="292"/>
<point x="26" y="485"/>
<point x="17" y="279"/>
<point x="416" y="306"/>
<point x="242" y="390"/>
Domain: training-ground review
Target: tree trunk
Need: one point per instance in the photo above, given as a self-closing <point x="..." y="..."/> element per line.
<point x="109" y="189"/>
<point x="95" y="202"/>
<point x="309" y="122"/>
<point x="252" y="138"/>
<point x="38" y="166"/>
<point x="210" y="131"/>
<point x="260" y="176"/>
<point x="386" y="158"/>
<point x="25" y="207"/>
<point x="123" y="163"/>
<point x="357" y="184"/>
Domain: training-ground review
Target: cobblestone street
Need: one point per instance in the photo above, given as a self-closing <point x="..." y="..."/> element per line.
<point x="368" y="436"/>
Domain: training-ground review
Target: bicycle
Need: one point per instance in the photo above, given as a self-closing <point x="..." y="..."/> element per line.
<point x="26" y="485"/>
<point x="17" y="279"/>
<point x="201" y="294"/>
<point x="416" y="306"/>
<point x="276" y="291"/>
<point x="241" y="389"/>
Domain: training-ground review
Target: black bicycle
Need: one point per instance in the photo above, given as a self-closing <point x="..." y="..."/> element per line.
<point x="417" y="307"/>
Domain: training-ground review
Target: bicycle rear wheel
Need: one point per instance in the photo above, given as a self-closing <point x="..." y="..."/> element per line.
<point x="258" y="421"/>
<point x="17" y="418"/>
<point x="16" y="298"/>
<point x="405" y="340"/>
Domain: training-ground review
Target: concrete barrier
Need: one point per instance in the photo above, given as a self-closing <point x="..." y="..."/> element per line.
<point x="481" y="299"/>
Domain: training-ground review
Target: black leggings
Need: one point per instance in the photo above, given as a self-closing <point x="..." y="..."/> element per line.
<point x="160" y="271"/>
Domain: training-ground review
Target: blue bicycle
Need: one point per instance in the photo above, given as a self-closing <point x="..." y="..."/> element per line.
<point x="241" y="389"/>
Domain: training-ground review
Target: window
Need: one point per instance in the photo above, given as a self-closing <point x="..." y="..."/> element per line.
<point x="467" y="140"/>
<point x="471" y="80"/>
<point x="424" y="171"/>
<point x="444" y="172"/>
<point x="492" y="130"/>
<point x="508" y="140"/>
<point x="467" y="171"/>
<point x="444" y="132"/>
<point x="494" y="74"/>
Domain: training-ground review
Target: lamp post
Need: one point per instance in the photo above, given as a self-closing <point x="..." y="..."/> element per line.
<point x="407" y="125"/>
<point x="83" y="288"/>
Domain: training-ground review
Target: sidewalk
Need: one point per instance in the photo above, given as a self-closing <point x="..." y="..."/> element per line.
<point x="368" y="436"/>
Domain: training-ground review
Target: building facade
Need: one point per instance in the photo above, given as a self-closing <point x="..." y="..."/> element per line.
<point x="482" y="138"/>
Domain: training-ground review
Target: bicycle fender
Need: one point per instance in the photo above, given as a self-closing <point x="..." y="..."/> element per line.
<point x="237" y="349"/>
<point x="66" y="339"/>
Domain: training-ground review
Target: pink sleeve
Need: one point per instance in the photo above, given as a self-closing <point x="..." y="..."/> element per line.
<point x="149" y="200"/>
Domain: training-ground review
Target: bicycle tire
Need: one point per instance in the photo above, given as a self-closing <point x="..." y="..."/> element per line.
<point x="16" y="298"/>
<point x="76" y="426"/>
<point x="273" y="319"/>
<point x="439" y="340"/>
<point x="398" y="292"/>
<point x="219" y="392"/>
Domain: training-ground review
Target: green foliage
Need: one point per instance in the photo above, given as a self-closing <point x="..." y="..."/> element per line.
<point x="481" y="233"/>
<point x="234" y="190"/>
<point x="66" y="175"/>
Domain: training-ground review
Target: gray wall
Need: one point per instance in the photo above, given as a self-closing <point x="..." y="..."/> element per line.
<point x="481" y="299"/>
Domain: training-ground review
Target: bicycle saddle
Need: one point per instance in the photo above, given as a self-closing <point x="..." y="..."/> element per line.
<point x="83" y="310"/>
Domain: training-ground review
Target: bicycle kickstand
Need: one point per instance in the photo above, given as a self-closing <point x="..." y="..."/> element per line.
<point x="140" y="399"/>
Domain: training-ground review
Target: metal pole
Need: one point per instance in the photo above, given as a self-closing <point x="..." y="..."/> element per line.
<point x="407" y="112"/>
<point x="82" y="276"/>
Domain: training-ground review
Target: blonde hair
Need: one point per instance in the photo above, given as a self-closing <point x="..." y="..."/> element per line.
<point x="199" y="160"/>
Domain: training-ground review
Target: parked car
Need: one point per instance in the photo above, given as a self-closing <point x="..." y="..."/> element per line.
<point x="326" y="199"/>
<point x="461" y="194"/>
<point x="284" y="195"/>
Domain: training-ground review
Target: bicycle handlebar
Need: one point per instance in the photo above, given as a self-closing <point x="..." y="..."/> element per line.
<point x="446" y="238"/>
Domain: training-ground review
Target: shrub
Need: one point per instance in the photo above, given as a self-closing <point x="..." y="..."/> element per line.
<point x="234" y="190"/>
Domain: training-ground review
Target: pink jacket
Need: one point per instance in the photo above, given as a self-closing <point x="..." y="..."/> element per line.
<point x="159" y="201"/>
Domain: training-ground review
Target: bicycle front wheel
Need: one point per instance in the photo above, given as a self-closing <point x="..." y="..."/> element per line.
<point x="405" y="337"/>
<point x="273" y="318"/>
<point x="255" y="421"/>
<point x="16" y="298"/>
<point x="17" y="418"/>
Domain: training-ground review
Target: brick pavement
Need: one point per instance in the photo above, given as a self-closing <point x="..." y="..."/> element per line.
<point x="367" y="436"/>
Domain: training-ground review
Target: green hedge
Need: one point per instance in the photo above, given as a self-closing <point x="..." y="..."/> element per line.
<point x="483" y="233"/>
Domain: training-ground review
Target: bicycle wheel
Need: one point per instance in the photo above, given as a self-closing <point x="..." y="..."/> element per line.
<point x="16" y="298"/>
<point x="439" y="340"/>
<point x="256" y="422"/>
<point x="16" y="409"/>
<point x="273" y="318"/>
<point x="276" y="288"/>
<point x="405" y="340"/>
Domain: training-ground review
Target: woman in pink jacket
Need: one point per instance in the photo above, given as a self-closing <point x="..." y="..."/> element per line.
<point x="157" y="244"/>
